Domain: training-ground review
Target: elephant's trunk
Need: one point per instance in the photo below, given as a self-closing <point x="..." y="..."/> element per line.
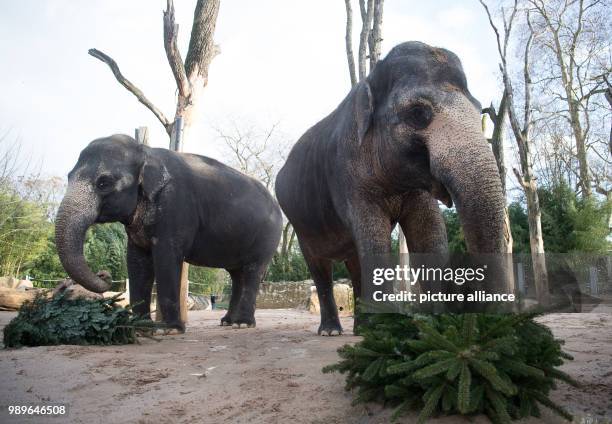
<point x="462" y="161"/>
<point x="77" y="212"/>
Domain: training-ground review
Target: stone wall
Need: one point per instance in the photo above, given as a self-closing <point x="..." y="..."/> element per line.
<point x="284" y="294"/>
<point x="303" y="295"/>
<point x="343" y="295"/>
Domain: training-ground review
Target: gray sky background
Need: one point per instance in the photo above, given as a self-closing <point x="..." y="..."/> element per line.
<point x="281" y="61"/>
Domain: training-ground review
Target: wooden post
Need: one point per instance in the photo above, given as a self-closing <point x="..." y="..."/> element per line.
<point x="127" y="290"/>
<point x="520" y="276"/>
<point x="142" y="135"/>
<point x="593" y="281"/>
<point x="403" y="257"/>
<point x="176" y="144"/>
<point x="176" y="137"/>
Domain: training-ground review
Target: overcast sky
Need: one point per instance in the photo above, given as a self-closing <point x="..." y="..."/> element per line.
<point x="282" y="61"/>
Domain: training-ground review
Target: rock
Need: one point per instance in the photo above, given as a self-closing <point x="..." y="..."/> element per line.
<point x="343" y="294"/>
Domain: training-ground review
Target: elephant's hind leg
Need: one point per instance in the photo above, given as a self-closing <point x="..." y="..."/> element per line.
<point x="321" y="271"/>
<point x="354" y="268"/>
<point x="245" y="285"/>
<point x="236" y="276"/>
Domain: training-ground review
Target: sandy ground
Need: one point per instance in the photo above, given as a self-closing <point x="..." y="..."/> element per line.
<point x="270" y="374"/>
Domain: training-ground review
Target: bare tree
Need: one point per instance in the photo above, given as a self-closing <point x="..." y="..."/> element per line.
<point x="190" y="75"/>
<point x="370" y="37"/>
<point x="367" y="16"/>
<point x="25" y="207"/>
<point x="609" y="100"/>
<point x="255" y="152"/>
<point x="260" y="154"/>
<point x="498" y="118"/>
<point x="522" y="135"/>
<point x="375" y="35"/>
<point x="348" y="38"/>
<point x="573" y="49"/>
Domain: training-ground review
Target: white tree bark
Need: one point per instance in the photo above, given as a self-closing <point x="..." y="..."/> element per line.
<point x="525" y="176"/>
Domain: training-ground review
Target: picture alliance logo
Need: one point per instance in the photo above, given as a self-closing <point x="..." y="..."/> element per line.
<point x="411" y="275"/>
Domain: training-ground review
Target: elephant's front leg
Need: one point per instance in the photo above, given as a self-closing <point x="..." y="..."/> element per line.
<point x="168" y="264"/>
<point x="371" y="227"/>
<point x="142" y="275"/>
<point x="423" y="225"/>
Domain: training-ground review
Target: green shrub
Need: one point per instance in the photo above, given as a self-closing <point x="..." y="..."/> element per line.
<point x="503" y="366"/>
<point x="80" y="321"/>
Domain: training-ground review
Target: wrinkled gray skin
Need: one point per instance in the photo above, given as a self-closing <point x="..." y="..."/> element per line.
<point x="405" y="136"/>
<point x="175" y="207"/>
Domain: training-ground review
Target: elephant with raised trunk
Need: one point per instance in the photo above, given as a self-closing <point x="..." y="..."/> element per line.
<point x="175" y="207"/>
<point x="403" y="138"/>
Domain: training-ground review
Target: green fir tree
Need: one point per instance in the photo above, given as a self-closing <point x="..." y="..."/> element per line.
<point x="503" y="366"/>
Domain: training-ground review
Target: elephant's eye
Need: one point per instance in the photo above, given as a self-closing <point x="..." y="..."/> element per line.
<point x="418" y="116"/>
<point x="104" y="182"/>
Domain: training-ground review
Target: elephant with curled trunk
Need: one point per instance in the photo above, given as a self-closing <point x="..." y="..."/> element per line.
<point x="175" y="207"/>
<point x="402" y="139"/>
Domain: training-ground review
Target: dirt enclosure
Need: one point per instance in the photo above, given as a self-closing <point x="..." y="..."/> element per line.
<point x="270" y="374"/>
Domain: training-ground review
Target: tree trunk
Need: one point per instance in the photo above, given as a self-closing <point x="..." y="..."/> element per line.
<point x="497" y="145"/>
<point x="375" y="36"/>
<point x="536" y="242"/>
<point x="349" y="42"/>
<point x="12" y="299"/>
<point x="404" y="259"/>
<point x="581" y="153"/>
<point x="367" y="14"/>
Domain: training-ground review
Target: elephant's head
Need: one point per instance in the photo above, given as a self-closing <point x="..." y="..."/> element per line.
<point x="420" y="128"/>
<point x="109" y="180"/>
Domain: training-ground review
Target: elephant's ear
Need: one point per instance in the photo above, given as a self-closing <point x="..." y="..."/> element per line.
<point x="363" y="109"/>
<point x="153" y="176"/>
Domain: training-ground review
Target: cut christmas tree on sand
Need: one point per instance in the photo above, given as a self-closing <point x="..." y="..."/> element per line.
<point x="58" y="320"/>
<point x="503" y="366"/>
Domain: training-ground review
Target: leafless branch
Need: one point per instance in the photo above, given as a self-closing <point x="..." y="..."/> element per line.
<point x="519" y="178"/>
<point x="172" y="51"/>
<point x="131" y="87"/>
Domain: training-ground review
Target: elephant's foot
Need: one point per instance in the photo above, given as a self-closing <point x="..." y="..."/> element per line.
<point x="174" y="327"/>
<point x="238" y="321"/>
<point x="167" y="332"/>
<point x="226" y="320"/>
<point x="330" y="327"/>
<point x="243" y="321"/>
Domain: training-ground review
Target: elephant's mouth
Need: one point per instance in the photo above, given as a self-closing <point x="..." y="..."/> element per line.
<point x="440" y="192"/>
